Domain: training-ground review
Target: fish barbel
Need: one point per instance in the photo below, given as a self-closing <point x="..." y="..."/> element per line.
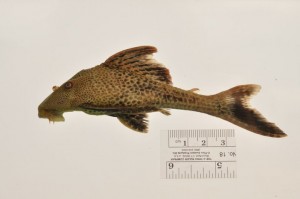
<point x="130" y="84"/>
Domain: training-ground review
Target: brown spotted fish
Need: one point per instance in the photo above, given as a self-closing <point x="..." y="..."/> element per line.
<point x="130" y="84"/>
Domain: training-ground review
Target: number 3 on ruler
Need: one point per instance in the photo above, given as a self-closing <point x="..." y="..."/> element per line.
<point x="222" y="142"/>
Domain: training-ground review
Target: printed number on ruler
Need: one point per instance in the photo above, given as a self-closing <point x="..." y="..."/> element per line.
<point x="206" y="153"/>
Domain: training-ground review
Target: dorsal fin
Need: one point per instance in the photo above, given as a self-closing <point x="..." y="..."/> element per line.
<point x="139" y="60"/>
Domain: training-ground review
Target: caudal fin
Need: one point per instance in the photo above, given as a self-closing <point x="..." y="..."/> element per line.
<point x="234" y="107"/>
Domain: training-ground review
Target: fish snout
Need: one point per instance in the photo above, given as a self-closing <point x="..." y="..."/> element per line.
<point x="51" y="115"/>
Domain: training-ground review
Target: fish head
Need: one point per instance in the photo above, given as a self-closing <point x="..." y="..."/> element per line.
<point x="69" y="96"/>
<point x="62" y="99"/>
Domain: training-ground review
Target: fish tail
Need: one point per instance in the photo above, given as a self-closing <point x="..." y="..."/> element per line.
<point x="233" y="105"/>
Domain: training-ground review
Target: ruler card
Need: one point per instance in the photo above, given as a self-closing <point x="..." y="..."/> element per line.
<point x="198" y="154"/>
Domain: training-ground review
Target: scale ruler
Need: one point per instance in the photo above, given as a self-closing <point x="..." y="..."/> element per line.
<point x="196" y="154"/>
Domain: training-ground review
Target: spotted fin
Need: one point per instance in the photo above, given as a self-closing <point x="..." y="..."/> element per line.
<point x="236" y="109"/>
<point x="137" y="122"/>
<point x="139" y="60"/>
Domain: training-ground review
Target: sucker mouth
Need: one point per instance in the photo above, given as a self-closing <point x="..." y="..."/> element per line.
<point x="51" y="115"/>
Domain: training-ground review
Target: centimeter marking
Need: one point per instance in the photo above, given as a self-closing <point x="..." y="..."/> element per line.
<point x="201" y="133"/>
<point x="201" y="137"/>
<point x="194" y="170"/>
<point x="203" y="153"/>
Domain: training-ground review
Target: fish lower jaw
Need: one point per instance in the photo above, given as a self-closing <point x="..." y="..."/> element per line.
<point x="51" y="116"/>
<point x="56" y="119"/>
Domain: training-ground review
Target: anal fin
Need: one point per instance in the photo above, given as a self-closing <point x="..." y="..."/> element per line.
<point x="137" y="122"/>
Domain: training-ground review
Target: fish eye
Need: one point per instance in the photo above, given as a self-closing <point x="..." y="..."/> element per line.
<point x="68" y="85"/>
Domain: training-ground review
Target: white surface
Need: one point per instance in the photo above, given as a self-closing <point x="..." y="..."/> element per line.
<point x="213" y="45"/>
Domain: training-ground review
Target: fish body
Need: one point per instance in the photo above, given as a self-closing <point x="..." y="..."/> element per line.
<point x="131" y="84"/>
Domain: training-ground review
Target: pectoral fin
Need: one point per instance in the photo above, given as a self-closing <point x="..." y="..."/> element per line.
<point x="137" y="122"/>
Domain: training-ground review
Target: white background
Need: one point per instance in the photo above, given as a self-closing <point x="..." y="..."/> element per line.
<point x="212" y="45"/>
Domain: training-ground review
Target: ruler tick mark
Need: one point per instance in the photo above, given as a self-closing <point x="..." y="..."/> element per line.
<point x="194" y="154"/>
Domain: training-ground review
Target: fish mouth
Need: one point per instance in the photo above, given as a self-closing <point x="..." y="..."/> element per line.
<point x="51" y="115"/>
